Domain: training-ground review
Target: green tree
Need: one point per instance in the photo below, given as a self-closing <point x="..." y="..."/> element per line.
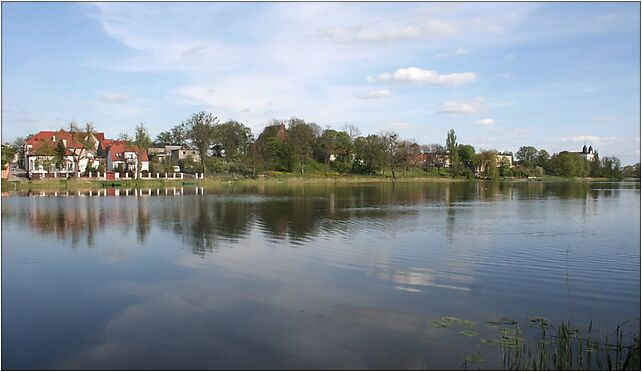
<point x="85" y="138"/>
<point x="199" y="130"/>
<point x="526" y="155"/>
<point x="391" y="143"/>
<point x="8" y="153"/>
<point x="234" y="137"/>
<point x="19" y="145"/>
<point x="542" y="158"/>
<point x="301" y="137"/>
<point x="60" y="158"/>
<point x="487" y="163"/>
<point x="611" y="167"/>
<point x="466" y="154"/>
<point x="164" y="138"/>
<point x="453" y="154"/>
<point x="369" y="154"/>
<point x="141" y="143"/>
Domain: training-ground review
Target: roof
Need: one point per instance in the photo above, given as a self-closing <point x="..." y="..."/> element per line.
<point x="120" y="147"/>
<point x="48" y="135"/>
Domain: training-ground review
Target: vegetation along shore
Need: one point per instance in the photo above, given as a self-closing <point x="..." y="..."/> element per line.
<point x="201" y="145"/>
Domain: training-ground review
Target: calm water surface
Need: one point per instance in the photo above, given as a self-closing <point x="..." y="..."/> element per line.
<point x="307" y="277"/>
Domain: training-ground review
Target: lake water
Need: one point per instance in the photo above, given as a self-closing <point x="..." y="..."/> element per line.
<point x="307" y="277"/>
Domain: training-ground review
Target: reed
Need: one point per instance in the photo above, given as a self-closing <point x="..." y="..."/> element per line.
<point x="567" y="348"/>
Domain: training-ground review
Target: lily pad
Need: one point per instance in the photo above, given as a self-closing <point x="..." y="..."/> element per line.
<point x="469" y="333"/>
<point x="490" y="341"/>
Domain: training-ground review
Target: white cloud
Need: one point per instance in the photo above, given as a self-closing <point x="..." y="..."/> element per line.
<point x="588" y="138"/>
<point x="461" y="107"/>
<point x="415" y="74"/>
<point x="606" y="17"/>
<point x="457" y="52"/>
<point x="115" y="97"/>
<point x="389" y="33"/>
<point x="507" y="76"/>
<point x="484" y="122"/>
<point x="520" y="130"/>
<point x="606" y="118"/>
<point x="377" y="93"/>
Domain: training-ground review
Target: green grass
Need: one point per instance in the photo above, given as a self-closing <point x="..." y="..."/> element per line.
<point x="540" y="345"/>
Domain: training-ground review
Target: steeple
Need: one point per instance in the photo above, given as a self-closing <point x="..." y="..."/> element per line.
<point x="584" y="149"/>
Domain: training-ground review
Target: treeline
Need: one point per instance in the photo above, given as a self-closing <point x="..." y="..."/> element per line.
<point x="297" y="146"/>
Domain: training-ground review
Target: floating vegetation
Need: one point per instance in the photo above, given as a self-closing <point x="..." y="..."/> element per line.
<point x="469" y="333"/>
<point x="501" y="322"/>
<point x="564" y="348"/>
<point x="474" y="358"/>
<point x="539" y="322"/>
<point x="490" y="341"/>
<point x="449" y="321"/>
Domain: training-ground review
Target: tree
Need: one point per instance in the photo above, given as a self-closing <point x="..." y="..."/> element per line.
<point x="487" y="163"/>
<point x="407" y="150"/>
<point x="391" y="144"/>
<point x="301" y="137"/>
<point x="466" y="154"/>
<point x="141" y="143"/>
<point x="199" y="130"/>
<point x="451" y="147"/>
<point x="526" y="155"/>
<point x="8" y="153"/>
<point x="84" y="138"/>
<point x="60" y="158"/>
<point x="179" y="135"/>
<point x="369" y="154"/>
<point x="542" y="158"/>
<point x="334" y="143"/>
<point x="19" y="145"/>
<point x="164" y="138"/>
<point x="611" y="167"/>
<point x="352" y="131"/>
<point x="234" y="137"/>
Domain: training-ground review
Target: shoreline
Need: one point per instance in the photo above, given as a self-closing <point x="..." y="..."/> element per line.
<point x="23" y="185"/>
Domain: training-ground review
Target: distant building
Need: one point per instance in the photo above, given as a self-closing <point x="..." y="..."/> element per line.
<point x="161" y="153"/>
<point x="587" y="154"/>
<point x="181" y="154"/>
<point x="121" y="153"/>
<point x="431" y="159"/>
<point x="505" y="157"/>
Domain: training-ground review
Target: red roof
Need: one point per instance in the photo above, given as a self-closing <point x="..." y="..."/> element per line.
<point x="120" y="147"/>
<point x="49" y="135"/>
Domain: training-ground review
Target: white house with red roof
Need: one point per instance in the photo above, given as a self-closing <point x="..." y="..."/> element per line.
<point x="122" y="153"/>
<point x="40" y="149"/>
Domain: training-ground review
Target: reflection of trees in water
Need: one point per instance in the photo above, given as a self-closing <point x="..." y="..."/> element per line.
<point x="297" y="213"/>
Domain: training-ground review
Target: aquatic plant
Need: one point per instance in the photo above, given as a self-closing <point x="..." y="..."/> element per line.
<point x="567" y="348"/>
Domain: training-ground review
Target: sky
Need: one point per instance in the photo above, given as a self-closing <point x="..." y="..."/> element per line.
<point x="503" y="75"/>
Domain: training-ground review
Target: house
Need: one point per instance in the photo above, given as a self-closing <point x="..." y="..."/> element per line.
<point x="431" y="159"/>
<point x="181" y="154"/>
<point x="587" y="154"/>
<point x="500" y="159"/>
<point x="122" y="153"/>
<point x="161" y="153"/>
<point x="40" y="149"/>
<point x="504" y="157"/>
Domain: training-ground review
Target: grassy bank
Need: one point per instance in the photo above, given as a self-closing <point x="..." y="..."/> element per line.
<point x="271" y="177"/>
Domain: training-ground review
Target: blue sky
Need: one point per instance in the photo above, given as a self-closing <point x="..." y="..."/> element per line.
<point x="550" y="75"/>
